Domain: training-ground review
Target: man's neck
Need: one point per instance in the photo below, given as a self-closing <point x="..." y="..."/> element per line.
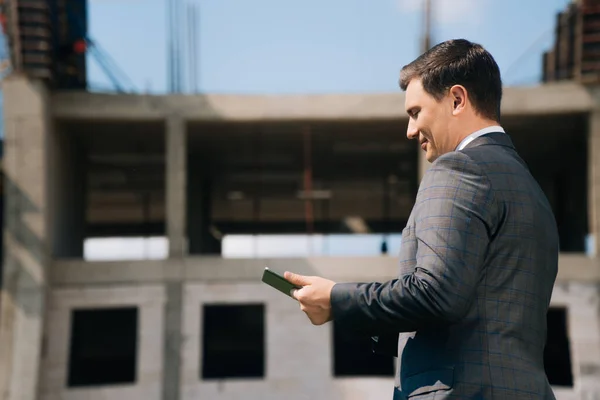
<point x="479" y="132"/>
<point x="476" y="126"/>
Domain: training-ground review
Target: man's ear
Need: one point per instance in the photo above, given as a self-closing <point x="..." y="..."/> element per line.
<point x="458" y="94"/>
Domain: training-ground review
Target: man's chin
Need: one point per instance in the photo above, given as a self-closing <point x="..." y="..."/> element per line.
<point x="431" y="156"/>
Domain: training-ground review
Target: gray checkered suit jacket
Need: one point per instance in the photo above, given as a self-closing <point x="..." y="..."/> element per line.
<point x="478" y="261"/>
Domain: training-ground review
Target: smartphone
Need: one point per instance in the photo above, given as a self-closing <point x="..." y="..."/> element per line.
<point x="278" y="282"/>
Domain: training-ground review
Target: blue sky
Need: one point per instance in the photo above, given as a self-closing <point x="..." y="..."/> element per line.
<point x="315" y="46"/>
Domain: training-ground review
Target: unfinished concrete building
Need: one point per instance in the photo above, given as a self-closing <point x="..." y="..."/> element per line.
<point x="575" y="55"/>
<point x="197" y="170"/>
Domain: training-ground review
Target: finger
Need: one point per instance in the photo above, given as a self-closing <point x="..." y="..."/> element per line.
<point x="296" y="279"/>
<point x="293" y="293"/>
<point x="298" y="294"/>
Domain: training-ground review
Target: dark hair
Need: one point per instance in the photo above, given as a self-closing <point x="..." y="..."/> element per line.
<point x="459" y="62"/>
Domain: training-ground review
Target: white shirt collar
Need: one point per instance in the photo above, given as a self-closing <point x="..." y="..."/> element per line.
<point x="475" y="135"/>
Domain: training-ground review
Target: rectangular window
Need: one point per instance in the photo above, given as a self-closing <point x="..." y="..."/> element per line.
<point x="103" y="349"/>
<point x="233" y="341"/>
<point x="353" y="356"/>
<point x="557" y="354"/>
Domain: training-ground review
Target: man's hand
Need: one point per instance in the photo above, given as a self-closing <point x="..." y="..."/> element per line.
<point x="314" y="296"/>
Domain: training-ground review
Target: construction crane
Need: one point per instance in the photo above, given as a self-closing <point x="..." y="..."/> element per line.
<point x="118" y="78"/>
<point x="48" y="40"/>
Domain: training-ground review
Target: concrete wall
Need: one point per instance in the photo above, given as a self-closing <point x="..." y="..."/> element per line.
<point x="581" y="301"/>
<point x="150" y="300"/>
<point x="298" y="355"/>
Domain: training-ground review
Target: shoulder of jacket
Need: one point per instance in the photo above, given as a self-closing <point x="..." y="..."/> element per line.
<point x="455" y="161"/>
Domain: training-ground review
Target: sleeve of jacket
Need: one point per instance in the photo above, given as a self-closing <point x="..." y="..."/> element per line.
<point x="452" y="228"/>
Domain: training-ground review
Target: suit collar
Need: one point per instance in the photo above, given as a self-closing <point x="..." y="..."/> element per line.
<point x="493" y="138"/>
<point x="475" y="135"/>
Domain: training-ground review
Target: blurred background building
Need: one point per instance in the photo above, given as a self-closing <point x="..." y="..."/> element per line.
<point x="136" y="226"/>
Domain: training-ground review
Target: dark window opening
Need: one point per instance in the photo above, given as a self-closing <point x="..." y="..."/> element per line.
<point x="557" y="355"/>
<point x="353" y="356"/>
<point x="560" y="168"/>
<point x="253" y="188"/>
<point x="103" y="347"/>
<point x="233" y="341"/>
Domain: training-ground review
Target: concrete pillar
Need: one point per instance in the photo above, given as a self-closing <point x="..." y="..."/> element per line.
<point x="594" y="182"/>
<point x="171" y="383"/>
<point x="26" y="244"/>
<point x="176" y="214"/>
<point x="176" y="183"/>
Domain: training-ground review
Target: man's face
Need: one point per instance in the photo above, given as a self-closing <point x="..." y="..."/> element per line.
<point x="429" y="120"/>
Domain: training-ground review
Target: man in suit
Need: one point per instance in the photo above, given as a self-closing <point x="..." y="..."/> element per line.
<point x="479" y="253"/>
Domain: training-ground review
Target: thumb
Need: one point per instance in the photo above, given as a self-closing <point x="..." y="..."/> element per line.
<point x="296" y="279"/>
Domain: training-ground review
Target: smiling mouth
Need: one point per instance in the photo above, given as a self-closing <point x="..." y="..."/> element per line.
<point x="424" y="145"/>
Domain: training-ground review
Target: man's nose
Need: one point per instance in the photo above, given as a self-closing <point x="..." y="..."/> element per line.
<point x="411" y="131"/>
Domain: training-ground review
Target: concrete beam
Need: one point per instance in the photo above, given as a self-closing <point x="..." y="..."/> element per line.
<point x="67" y="273"/>
<point x="555" y="98"/>
<point x="547" y="99"/>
